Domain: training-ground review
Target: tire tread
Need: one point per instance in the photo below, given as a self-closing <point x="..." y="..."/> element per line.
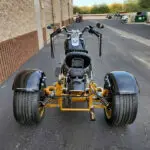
<point x="124" y="110"/>
<point x="25" y="108"/>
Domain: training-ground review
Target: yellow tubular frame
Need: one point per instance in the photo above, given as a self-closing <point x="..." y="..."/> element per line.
<point x="58" y="90"/>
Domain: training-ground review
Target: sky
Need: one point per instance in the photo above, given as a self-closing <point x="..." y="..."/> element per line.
<point x="92" y="2"/>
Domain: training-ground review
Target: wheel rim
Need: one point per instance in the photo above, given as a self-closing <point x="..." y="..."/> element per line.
<point x="41" y="108"/>
<point x="108" y="112"/>
<point x="41" y="111"/>
<point x="92" y="115"/>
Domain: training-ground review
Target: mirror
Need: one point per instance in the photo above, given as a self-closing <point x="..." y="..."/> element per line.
<point x="49" y="27"/>
<point x="98" y="25"/>
<point x="102" y="26"/>
<point x="58" y="30"/>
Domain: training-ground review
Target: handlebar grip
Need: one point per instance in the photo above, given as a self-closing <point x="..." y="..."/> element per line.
<point x="56" y="32"/>
<point x="94" y="32"/>
<point x="64" y="28"/>
<point x="85" y="29"/>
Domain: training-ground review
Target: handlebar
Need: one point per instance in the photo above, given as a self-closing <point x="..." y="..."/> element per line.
<point x="89" y="29"/>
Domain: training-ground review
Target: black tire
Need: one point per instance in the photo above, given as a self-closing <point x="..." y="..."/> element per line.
<point x="124" y="110"/>
<point x="57" y="71"/>
<point x="26" y="108"/>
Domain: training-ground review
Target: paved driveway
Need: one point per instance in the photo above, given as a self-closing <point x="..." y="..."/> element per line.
<point x="142" y="30"/>
<point x="74" y="131"/>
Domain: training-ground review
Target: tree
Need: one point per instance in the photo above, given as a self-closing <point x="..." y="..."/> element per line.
<point x="97" y="9"/>
<point x="76" y="9"/>
<point x="144" y="3"/>
<point x="85" y="10"/>
<point x="116" y="7"/>
<point x="131" y="6"/>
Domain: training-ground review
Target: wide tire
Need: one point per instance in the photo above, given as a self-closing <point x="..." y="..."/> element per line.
<point x="27" y="109"/>
<point x="123" y="110"/>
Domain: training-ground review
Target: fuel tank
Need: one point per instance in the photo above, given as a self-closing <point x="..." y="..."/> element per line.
<point x="69" y="46"/>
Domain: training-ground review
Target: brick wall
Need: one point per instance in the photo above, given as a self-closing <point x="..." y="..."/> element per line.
<point x="48" y="15"/>
<point x="57" y="11"/>
<point x="43" y="22"/>
<point x="44" y="36"/>
<point x="71" y="9"/>
<point x="15" y="52"/>
<point x="65" y="10"/>
<point x="19" y="30"/>
<point x="18" y="35"/>
<point x="17" y="17"/>
<point x="57" y="17"/>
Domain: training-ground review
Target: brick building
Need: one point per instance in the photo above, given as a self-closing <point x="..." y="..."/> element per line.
<point x="23" y="29"/>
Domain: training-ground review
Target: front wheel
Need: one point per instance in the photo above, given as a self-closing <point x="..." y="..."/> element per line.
<point x="122" y="111"/>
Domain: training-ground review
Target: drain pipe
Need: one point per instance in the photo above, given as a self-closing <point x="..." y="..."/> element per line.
<point x="53" y="16"/>
<point x="61" y="13"/>
<point x="69" y="11"/>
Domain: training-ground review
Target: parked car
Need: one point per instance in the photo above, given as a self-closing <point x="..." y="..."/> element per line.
<point x="124" y="19"/>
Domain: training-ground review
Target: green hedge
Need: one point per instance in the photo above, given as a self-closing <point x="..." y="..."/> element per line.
<point x="129" y="6"/>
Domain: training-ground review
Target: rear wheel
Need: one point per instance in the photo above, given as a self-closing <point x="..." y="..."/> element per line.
<point x="122" y="110"/>
<point x="27" y="108"/>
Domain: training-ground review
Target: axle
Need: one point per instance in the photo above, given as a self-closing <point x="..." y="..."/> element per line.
<point x="55" y="95"/>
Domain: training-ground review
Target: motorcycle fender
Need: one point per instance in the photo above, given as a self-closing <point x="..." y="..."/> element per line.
<point x="29" y="80"/>
<point x="121" y="82"/>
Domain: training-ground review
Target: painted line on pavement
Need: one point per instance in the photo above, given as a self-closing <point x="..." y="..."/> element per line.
<point x="3" y="86"/>
<point x="142" y="61"/>
<point x="129" y="35"/>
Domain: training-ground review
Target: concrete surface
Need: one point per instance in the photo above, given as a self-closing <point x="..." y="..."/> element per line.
<point x="138" y="29"/>
<point x="74" y="131"/>
<point x="129" y="35"/>
<point x="17" y="18"/>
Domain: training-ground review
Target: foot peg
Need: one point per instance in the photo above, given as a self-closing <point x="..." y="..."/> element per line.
<point x="92" y="114"/>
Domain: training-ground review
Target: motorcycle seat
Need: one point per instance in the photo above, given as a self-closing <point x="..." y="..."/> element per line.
<point x="76" y="72"/>
<point x="77" y="55"/>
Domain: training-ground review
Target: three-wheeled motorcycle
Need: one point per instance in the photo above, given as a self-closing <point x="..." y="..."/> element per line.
<point x="118" y="97"/>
